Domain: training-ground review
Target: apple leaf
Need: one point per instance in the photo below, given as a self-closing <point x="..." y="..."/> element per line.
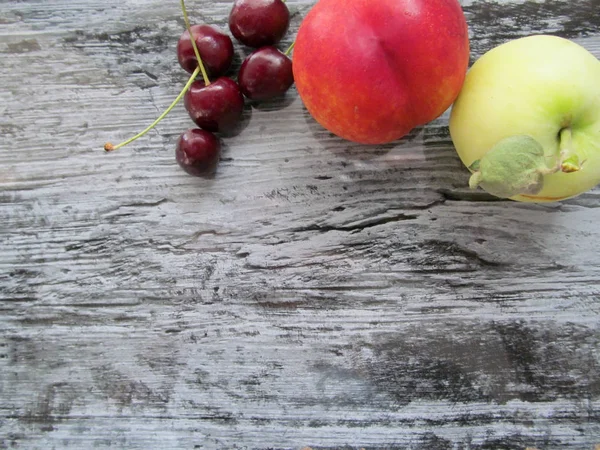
<point x="515" y="165"/>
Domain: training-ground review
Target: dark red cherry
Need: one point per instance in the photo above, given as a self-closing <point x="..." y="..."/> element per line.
<point x="217" y="107"/>
<point x="198" y="151"/>
<point x="215" y="48"/>
<point x="265" y="73"/>
<point x="257" y="23"/>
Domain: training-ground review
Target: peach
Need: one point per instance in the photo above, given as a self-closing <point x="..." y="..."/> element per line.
<point x="371" y="71"/>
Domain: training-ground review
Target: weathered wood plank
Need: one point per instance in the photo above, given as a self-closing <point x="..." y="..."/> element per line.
<point x="313" y="293"/>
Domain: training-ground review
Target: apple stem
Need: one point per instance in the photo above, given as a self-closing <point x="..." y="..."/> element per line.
<point x="110" y="147"/>
<point x="566" y="140"/>
<point x="568" y="162"/>
<point x="196" y="51"/>
<point x="289" y="49"/>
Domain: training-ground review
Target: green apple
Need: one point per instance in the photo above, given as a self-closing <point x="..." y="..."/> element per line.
<point x="527" y="120"/>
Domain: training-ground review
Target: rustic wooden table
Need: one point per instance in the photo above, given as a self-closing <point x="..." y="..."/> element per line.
<point x="313" y="293"/>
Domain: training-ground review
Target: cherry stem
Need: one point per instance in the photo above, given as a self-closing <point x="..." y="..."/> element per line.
<point x="196" y="51"/>
<point x="289" y="49"/>
<point x="109" y="147"/>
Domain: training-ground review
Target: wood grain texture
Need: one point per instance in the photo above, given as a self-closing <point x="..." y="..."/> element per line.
<point x="312" y="293"/>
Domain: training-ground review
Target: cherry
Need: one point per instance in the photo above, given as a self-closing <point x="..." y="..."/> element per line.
<point x="216" y="107"/>
<point x="213" y="44"/>
<point x="265" y="73"/>
<point x="198" y="151"/>
<point x="257" y="23"/>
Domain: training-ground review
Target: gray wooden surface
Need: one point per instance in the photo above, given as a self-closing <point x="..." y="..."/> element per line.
<point x="313" y="293"/>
